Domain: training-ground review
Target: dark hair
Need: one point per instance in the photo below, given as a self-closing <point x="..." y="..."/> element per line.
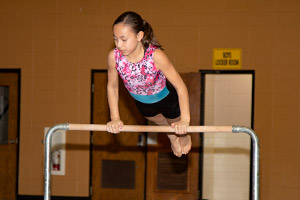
<point x="138" y="24"/>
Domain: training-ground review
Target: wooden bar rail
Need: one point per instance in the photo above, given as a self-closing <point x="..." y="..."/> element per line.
<point x="137" y="128"/>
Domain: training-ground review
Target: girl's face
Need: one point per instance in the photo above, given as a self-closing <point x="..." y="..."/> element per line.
<point x="125" y="39"/>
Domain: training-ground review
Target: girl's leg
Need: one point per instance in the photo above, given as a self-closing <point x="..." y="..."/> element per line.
<point x="185" y="140"/>
<point x="175" y="142"/>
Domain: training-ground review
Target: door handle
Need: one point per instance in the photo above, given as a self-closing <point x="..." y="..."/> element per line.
<point x="141" y="142"/>
<point x="13" y="141"/>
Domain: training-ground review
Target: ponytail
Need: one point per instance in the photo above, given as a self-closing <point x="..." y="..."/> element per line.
<point x="138" y="24"/>
<point x="149" y="37"/>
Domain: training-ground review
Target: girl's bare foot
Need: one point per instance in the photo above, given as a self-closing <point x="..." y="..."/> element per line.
<point x="175" y="145"/>
<point x="185" y="143"/>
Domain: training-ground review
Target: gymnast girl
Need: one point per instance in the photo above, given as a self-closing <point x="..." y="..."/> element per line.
<point x="151" y="79"/>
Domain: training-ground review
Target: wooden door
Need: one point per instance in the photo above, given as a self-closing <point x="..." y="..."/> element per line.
<point x="169" y="177"/>
<point x="118" y="162"/>
<point x="9" y="123"/>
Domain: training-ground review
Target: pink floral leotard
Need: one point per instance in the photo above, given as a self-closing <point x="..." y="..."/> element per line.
<point x="142" y="79"/>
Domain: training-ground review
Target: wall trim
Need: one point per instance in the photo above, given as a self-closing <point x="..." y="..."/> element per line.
<point x="39" y="197"/>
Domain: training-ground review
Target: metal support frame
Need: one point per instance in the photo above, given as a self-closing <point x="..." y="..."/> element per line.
<point x="136" y="128"/>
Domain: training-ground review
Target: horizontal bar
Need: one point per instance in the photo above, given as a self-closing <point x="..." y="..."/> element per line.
<point x="138" y="128"/>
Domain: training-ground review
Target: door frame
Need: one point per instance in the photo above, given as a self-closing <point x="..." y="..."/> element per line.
<point x="18" y="72"/>
<point x="202" y="118"/>
<point x="93" y="71"/>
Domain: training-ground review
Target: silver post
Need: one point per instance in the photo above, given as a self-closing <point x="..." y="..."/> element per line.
<point x="255" y="159"/>
<point x="47" y="167"/>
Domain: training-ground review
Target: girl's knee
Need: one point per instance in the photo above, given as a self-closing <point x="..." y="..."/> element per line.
<point x="170" y="121"/>
<point x="159" y="120"/>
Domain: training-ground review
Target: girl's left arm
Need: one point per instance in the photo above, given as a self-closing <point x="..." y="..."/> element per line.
<point x="164" y="64"/>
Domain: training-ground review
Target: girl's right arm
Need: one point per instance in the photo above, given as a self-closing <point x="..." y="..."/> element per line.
<point x="115" y="125"/>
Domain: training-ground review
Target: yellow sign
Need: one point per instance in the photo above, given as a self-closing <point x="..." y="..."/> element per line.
<point x="227" y="58"/>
